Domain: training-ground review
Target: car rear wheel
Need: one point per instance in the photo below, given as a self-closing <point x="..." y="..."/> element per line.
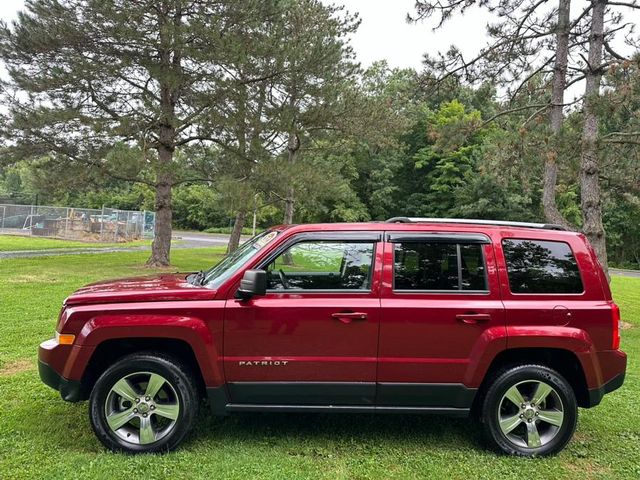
<point x="145" y="402"/>
<point x="530" y="410"/>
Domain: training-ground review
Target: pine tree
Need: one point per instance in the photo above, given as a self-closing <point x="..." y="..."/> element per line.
<point x="85" y="74"/>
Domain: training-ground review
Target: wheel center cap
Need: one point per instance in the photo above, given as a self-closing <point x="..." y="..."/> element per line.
<point x="529" y="413"/>
<point x="143" y="407"/>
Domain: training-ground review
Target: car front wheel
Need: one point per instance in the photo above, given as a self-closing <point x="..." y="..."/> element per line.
<point x="145" y="402"/>
<point x="530" y="410"/>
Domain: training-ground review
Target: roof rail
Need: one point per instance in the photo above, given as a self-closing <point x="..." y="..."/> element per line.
<point x="466" y="221"/>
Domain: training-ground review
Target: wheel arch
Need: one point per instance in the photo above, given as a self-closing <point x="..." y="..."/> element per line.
<point x="110" y="351"/>
<point x="564" y="361"/>
<point x="110" y="335"/>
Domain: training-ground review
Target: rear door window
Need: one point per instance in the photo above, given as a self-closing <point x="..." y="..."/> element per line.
<point x="537" y="266"/>
<point x="439" y="266"/>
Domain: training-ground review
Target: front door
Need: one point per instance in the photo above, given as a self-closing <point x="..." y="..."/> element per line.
<point x="440" y="304"/>
<point x="312" y="340"/>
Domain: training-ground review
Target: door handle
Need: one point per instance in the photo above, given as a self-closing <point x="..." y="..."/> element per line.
<point x="473" y="318"/>
<point x="348" y="317"/>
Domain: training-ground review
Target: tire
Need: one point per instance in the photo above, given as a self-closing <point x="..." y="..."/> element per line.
<point x="530" y="428"/>
<point x="144" y="403"/>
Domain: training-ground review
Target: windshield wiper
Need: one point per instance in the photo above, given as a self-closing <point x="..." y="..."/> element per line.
<point x="197" y="278"/>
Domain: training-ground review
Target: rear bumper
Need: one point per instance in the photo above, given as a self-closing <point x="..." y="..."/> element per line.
<point x="70" y="390"/>
<point x="615" y="361"/>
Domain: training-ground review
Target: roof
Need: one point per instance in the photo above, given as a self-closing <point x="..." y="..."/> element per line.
<point x="446" y="225"/>
<point x="468" y="221"/>
<point x="431" y="224"/>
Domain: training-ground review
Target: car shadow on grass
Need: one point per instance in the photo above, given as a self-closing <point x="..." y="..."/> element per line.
<point x="305" y="428"/>
<point x="246" y="430"/>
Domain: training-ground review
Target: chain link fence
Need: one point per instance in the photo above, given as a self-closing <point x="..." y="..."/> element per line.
<point x="86" y="224"/>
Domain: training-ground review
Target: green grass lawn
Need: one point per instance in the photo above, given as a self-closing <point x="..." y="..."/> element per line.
<point x="42" y="436"/>
<point x="12" y="243"/>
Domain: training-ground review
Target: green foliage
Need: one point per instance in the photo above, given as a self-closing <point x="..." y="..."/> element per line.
<point x="197" y="207"/>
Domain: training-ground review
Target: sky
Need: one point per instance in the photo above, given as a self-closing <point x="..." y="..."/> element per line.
<point x="385" y="34"/>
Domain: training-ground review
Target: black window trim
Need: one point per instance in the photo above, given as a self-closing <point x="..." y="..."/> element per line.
<point x="372" y="237"/>
<point x="435" y="237"/>
<point x="459" y="291"/>
<point x="551" y="294"/>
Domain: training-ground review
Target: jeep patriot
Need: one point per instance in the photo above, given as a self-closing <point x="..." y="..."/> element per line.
<point x="511" y="323"/>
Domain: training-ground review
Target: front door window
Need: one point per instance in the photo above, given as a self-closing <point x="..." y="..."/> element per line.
<point x="323" y="265"/>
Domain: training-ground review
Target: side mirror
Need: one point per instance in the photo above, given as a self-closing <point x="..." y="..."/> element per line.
<point x="253" y="283"/>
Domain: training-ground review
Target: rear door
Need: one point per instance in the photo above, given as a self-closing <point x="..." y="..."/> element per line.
<point x="312" y="340"/>
<point x="440" y="304"/>
<point x="552" y="282"/>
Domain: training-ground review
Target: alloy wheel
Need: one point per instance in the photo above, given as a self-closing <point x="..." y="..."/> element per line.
<point x="530" y="414"/>
<point x="142" y="408"/>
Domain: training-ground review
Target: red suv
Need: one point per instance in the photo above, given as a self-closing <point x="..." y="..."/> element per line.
<point x="510" y="322"/>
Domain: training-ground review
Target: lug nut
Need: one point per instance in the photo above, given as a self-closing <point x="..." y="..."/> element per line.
<point x="521" y="415"/>
<point x="523" y="406"/>
<point x="145" y="415"/>
<point x="527" y="420"/>
<point x="537" y="413"/>
<point x="153" y="407"/>
<point x="137" y="400"/>
<point x="135" y="410"/>
<point x="147" y="398"/>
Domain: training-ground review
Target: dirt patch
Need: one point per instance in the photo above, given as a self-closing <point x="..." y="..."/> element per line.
<point x="587" y="470"/>
<point x="33" y="279"/>
<point x="18" y="366"/>
<point x="625" y="325"/>
<point x="581" y="436"/>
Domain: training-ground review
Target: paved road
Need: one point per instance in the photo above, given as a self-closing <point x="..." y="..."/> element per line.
<point x="201" y="239"/>
<point x="625" y="273"/>
<point x="183" y="240"/>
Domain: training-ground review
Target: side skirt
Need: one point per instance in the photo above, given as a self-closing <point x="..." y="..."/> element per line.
<point x="412" y="398"/>
<point x="245" y="407"/>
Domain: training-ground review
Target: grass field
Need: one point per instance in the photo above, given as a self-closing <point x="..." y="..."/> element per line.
<point x="43" y="437"/>
<point x="12" y="243"/>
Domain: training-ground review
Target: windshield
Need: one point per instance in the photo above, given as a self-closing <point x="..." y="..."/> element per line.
<point x="218" y="274"/>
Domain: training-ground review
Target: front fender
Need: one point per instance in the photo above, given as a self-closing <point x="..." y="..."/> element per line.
<point x="114" y="326"/>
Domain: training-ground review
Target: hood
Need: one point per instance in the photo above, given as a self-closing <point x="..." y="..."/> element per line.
<point x="162" y="287"/>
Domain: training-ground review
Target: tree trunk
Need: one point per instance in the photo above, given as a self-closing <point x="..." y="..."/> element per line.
<point x="589" y="168"/>
<point x="161" y="246"/>
<point x="166" y="145"/>
<point x="556" y="116"/>
<point x="238" y="224"/>
<point x="293" y="146"/>
<point x="288" y="207"/>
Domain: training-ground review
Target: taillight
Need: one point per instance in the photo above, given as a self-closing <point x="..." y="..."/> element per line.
<point x="615" y="318"/>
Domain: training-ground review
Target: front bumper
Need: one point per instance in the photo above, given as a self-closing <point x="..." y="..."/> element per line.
<point x="70" y="390"/>
<point x="51" y="366"/>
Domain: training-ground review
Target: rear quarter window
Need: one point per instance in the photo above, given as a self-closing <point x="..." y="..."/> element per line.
<point x="539" y="266"/>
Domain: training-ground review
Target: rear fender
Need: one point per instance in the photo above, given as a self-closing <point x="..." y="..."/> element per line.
<point x="498" y="339"/>
<point x="572" y="339"/>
